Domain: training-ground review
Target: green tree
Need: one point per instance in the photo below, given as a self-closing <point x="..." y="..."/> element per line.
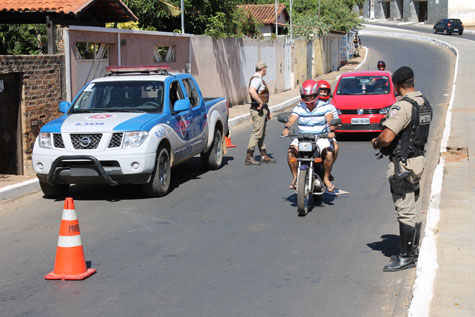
<point x="23" y="39"/>
<point x="310" y="26"/>
<point x="338" y="15"/>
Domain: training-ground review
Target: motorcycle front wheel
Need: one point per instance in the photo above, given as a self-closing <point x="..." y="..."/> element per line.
<point x="303" y="193"/>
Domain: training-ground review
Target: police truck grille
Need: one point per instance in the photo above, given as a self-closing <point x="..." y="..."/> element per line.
<point x="85" y="141"/>
<point x="116" y="140"/>
<point x="58" y="140"/>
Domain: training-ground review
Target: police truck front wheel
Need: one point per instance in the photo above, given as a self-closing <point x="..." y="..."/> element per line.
<point x="213" y="158"/>
<point x="54" y="191"/>
<point x="160" y="181"/>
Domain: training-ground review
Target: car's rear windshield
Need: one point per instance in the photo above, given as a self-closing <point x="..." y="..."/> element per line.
<point x="455" y="21"/>
<point x="364" y="85"/>
<point x="119" y="96"/>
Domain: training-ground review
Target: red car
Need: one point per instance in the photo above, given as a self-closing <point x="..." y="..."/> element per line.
<point x="362" y="99"/>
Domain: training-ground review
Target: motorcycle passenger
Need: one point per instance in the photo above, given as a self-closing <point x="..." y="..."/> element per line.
<point x="324" y="92"/>
<point x="312" y="118"/>
<point x="381" y="65"/>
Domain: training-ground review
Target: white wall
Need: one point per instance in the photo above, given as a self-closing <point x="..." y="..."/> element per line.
<point x="463" y="10"/>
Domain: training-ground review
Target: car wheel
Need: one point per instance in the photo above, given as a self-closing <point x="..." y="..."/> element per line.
<point x="160" y="182"/>
<point x="213" y="158"/>
<point x="446" y="32"/>
<point x="54" y="191"/>
<point x="461" y="32"/>
<point x="434" y="31"/>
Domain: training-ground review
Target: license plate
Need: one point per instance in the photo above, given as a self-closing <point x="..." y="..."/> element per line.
<point x="359" y="121"/>
<point x="456" y="29"/>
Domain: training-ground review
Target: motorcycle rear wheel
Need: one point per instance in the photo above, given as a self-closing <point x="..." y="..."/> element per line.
<point x="303" y="193"/>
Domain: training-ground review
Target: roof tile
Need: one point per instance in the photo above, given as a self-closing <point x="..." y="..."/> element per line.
<point x="264" y="13"/>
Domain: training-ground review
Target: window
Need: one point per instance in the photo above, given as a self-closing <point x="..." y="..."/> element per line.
<point x="192" y="92"/>
<point x="175" y="93"/>
<point x="364" y="85"/>
<point x="162" y="53"/>
<point x="143" y="96"/>
<point x="91" y="51"/>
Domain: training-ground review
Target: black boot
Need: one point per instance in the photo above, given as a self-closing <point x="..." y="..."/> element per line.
<point x="417" y="237"/>
<point x="250" y="158"/>
<point x="406" y="257"/>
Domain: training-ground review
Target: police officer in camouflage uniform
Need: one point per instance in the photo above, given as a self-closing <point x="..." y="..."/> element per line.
<point x="404" y="135"/>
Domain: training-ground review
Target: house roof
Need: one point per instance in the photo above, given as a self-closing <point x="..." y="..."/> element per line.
<point x="76" y="12"/>
<point x="265" y="13"/>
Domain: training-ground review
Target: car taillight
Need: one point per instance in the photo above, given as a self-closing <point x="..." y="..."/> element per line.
<point x="448" y="24"/>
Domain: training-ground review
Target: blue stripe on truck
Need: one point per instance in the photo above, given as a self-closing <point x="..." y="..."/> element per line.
<point x="144" y="122"/>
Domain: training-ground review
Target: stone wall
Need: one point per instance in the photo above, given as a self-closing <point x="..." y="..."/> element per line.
<point x="43" y="87"/>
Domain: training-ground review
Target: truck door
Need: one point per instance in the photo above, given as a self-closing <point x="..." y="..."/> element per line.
<point x="181" y="123"/>
<point x="198" y="112"/>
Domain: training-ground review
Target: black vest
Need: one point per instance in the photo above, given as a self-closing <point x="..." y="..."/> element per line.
<point x="410" y="142"/>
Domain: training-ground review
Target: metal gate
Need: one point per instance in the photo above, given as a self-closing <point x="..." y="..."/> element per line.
<point x="92" y="60"/>
<point x="11" y="161"/>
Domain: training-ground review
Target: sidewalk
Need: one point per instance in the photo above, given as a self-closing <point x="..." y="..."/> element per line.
<point x="15" y="186"/>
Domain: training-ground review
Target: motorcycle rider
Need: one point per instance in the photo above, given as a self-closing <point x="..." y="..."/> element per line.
<point x="313" y="117"/>
<point x="381" y="65"/>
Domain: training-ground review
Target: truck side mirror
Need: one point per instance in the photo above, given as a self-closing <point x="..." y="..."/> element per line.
<point x="283" y="117"/>
<point x="64" y="106"/>
<point x="182" y="105"/>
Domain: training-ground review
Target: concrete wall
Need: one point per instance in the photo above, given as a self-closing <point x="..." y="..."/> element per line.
<point x="436" y="10"/>
<point x="463" y="10"/>
<point x="299" y="59"/>
<point x="396" y="9"/>
<point x="43" y="87"/>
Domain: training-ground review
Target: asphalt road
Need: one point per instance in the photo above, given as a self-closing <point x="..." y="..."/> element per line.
<point x="465" y="35"/>
<point x="227" y="242"/>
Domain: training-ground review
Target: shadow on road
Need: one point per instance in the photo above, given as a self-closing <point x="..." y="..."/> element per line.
<point x="356" y="137"/>
<point x="181" y="174"/>
<point x="389" y="245"/>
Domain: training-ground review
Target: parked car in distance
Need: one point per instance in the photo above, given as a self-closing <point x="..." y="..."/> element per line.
<point x="362" y="99"/>
<point x="448" y="26"/>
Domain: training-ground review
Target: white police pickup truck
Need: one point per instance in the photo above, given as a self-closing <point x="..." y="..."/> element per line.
<point x="130" y="127"/>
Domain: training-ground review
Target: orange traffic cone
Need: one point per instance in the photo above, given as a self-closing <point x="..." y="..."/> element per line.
<point x="69" y="263"/>
<point x="228" y="142"/>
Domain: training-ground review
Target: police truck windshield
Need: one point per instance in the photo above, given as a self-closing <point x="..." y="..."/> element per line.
<point x="130" y="96"/>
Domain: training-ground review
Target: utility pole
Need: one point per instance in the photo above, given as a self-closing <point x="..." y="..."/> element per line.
<point x="276" y="25"/>
<point x="290" y="20"/>
<point x="182" y="8"/>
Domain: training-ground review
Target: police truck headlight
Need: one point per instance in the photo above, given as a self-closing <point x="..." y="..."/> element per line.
<point x="45" y="140"/>
<point x="134" y="138"/>
<point x="384" y="110"/>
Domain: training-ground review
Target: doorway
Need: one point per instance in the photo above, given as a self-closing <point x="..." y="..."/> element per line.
<point x="11" y="161"/>
<point x="422" y="12"/>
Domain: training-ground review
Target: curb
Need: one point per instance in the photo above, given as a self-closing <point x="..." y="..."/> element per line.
<point x="21" y="189"/>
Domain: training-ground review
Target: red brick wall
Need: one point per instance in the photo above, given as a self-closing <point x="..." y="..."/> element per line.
<point x="43" y="87"/>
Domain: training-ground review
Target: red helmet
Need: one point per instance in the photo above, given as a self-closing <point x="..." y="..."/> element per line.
<point x="381" y="64"/>
<point x="324" y="85"/>
<point x="308" y="91"/>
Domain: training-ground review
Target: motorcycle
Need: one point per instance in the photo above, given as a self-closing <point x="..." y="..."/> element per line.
<point x="310" y="185"/>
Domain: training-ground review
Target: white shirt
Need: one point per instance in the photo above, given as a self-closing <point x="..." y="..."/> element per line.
<point x="312" y="121"/>
<point x="257" y="83"/>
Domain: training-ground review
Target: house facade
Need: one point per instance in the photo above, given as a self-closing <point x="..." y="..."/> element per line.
<point x="265" y="15"/>
<point x="428" y="11"/>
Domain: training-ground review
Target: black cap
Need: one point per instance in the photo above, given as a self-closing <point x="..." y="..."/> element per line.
<point x="402" y="74"/>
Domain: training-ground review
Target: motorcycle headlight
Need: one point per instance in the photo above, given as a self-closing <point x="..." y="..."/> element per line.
<point x="384" y="110"/>
<point x="305" y="146"/>
<point x="45" y="140"/>
<point x="134" y="138"/>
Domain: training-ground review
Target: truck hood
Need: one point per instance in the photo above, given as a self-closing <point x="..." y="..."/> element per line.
<point x="345" y="102"/>
<point x="103" y="122"/>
